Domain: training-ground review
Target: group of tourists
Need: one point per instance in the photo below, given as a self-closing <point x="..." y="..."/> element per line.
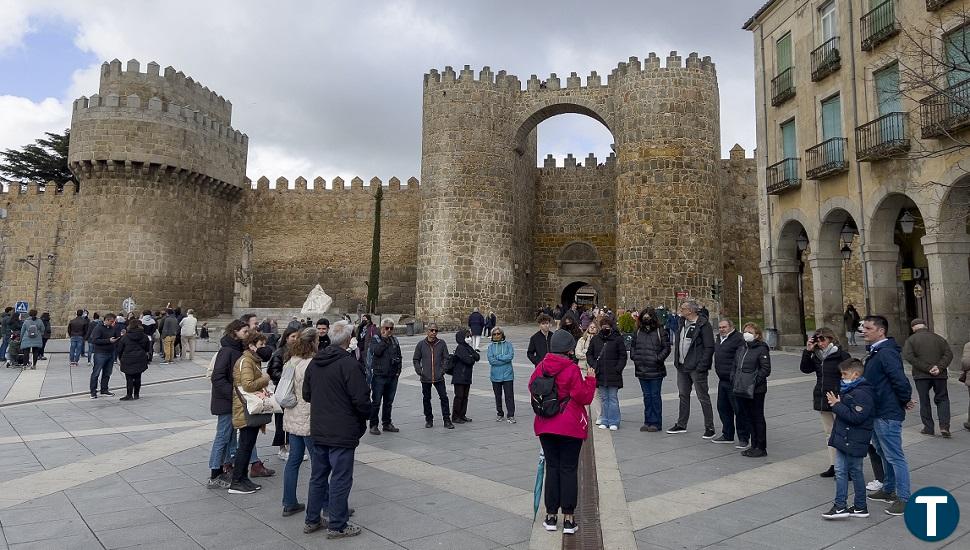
<point x="24" y="338"/>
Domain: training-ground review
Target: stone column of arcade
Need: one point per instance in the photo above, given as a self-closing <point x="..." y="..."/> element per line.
<point x="827" y="290"/>
<point x="785" y="274"/>
<point x="882" y="262"/>
<point x="949" y="276"/>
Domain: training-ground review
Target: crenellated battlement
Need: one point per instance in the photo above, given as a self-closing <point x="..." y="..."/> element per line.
<point x="554" y="82"/>
<point x="15" y="191"/>
<point x="571" y="163"/>
<point x="337" y="185"/>
<point x="171" y="86"/>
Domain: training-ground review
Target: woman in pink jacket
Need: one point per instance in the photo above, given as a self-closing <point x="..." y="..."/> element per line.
<point x="562" y="435"/>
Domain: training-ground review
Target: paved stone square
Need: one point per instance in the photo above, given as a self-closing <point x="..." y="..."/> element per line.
<point x="81" y="473"/>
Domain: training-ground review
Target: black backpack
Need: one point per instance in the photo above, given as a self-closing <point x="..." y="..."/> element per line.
<point x="545" y="396"/>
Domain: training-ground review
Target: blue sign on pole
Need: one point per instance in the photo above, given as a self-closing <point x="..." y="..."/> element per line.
<point x="21" y="306"/>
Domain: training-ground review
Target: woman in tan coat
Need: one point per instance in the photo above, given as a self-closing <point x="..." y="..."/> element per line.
<point x="296" y="420"/>
<point x="248" y="375"/>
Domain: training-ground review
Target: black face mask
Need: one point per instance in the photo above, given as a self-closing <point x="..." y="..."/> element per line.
<point x="265" y="353"/>
<point x="605" y="331"/>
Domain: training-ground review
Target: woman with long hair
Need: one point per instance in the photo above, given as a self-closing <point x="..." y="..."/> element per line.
<point x="296" y="420"/>
<point x="648" y="351"/>
<point x="275" y="370"/>
<point x="247" y="375"/>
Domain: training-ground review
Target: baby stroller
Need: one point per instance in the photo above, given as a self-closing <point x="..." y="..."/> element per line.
<point x="17" y="357"/>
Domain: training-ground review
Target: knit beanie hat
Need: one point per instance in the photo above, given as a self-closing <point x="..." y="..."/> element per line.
<point x="562" y="342"/>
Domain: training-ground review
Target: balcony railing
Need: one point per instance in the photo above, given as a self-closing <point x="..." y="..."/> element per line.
<point x="783" y="176"/>
<point x="783" y="87"/>
<point x="826" y="159"/>
<point x="946" y="111"/>
<point x="933" y="5"/>
<point x="879" y="25"/>
<point x="826" y="59"/>
<point x="884" y="137"/>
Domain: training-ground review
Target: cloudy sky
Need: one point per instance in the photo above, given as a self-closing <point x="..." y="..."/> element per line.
<point x="330" y="88"/>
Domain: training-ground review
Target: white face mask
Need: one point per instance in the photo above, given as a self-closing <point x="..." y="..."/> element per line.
<point x="748" y="337"/>
<point x="353" y="345"/>
<point x="468" y="340"/>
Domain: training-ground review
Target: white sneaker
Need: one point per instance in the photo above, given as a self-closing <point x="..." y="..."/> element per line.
<point x="599" y="421"/>
<point x="601" y="426"/>
<point x="614" y="427"/>
<point x="874" y="485"/>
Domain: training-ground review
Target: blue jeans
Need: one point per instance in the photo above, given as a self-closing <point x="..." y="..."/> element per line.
<point x="90" y="351"/>
<point x="77" y="346"/>
<point x="331" y="476"/>
<point x="610" y="399"/>
<point x="3" y="347"/>
<point x="291" y="472"/>
<point x="847" y="467"/>
<point x="224" y="444"/>
<point x="887" y="436"/>
<point x="103" y="365"/>
<point x="652" y="405"/>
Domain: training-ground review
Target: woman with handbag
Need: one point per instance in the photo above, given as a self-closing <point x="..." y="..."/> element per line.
<point x="275" y="370"/>
<point x="248" y="377"/>
<point x="752" y="366"/>
<point x="296" y="420"/>
<point x="134" y="352"/>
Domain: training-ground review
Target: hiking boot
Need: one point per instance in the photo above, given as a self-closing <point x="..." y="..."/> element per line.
<point x="708" y="433"/>
<point x="569" y="526"/>
<point x="828" y="473"/>
<point x="858" y="512"/>
<point x="428" y="423"/>
<point x="836" y="512"/>
<point x="897" y="508"/>
<point x="375" y="430"/>
<point x="551" y="522"/>
<point x="258" y="469"/>
<point x="295" y="509"/>
<point x="883" y="496"/>
<point x="723" y="440"/>
<point x="391" y="428"/>
<point x="448" y="424"/>
<point x="677" y="429"/>
<point x="350" y="530"/>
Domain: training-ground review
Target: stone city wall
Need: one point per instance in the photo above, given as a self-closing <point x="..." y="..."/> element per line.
<point x="738" y="180"/>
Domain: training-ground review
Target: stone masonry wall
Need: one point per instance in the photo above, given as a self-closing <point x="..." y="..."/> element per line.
<point x="302" y="237"/>
<point x="738" y="179"/>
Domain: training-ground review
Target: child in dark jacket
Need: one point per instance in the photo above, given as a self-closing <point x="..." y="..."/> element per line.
<point x="853" y="409"/>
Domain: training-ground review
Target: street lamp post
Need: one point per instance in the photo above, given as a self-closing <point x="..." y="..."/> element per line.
<point x="29" y="260"/>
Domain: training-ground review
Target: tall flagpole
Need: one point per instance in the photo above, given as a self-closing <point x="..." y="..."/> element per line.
<point x="740" y="285"/>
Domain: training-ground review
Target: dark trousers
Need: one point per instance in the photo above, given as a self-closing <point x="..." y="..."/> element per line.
<point x="732" y="416"/>
<point x="460" y="406"/>
<point x="562" y="472"/>
<point x="940" y="397"/>
<point x="504" y="387"/>
<point x="36" y="354"/>
<point x="43" y="346"/>
<point x="442" y="395"/>
<point x="331" y="477"/>
<point x="382" y="392"/>
<point x="754" y="410"/>
<point x="696" y="380"/>
<point x="132" y="384"/>
<point x="247" y="442"/>
<point x="877" y="470"/>
<point x="103" y="365"/>
<point x="279" y="437"/>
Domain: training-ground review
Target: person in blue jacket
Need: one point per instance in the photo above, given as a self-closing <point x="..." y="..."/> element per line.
<point x="853" y="410"/>
<point x="501" y="373"/>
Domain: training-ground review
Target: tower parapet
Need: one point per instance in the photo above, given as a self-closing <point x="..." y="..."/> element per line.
<point x="170" y="86"/>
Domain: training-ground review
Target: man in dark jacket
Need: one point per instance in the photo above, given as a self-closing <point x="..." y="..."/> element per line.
<point x="429" y="359"/>
<point x="386" y="363"/>
<point x="693" y="352"/>
<point x="892" y="392"/>
<point x="726" y="347"/>
<point x="930" y="355"/>
<point x="169" y="330"/>
<point x="336" y="388"/>
<point x="323" y="327"/>
<point x="103" y="337"/>
<point x="539" y="343"/>
<point x="76" y="329"/>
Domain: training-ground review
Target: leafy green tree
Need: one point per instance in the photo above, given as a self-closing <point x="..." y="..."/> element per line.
<point x="43" y="161"/>
<point x="373" y="283"/>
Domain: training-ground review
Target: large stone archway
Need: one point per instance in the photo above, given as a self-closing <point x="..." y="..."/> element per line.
<point x="786" y="303"/>
<point x="831" y="272"/>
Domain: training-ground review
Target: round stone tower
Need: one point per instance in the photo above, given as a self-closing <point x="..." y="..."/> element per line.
<point x="159" y="168"/>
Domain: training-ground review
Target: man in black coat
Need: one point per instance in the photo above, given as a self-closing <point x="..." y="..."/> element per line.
<point x="539" y="343"/>
<point x="693" y="353"/>
<point x="728" y="342"/>
<point x="323" y="327"/>
<point x="336" y="388"/>
<point x="103" y="337"/>
<point x="386" y="351"/>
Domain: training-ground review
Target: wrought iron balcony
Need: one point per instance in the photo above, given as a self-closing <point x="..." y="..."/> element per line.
<point x="783" y="176"/>
<point x="946" y="111"/>
<point x="879" y="25"/>
<point x="884" y="137"/>
<point x="933" y="5"/>
<point x="826" y="159"/>
<point x="826" y="59"/>
<point x="783" y="87"/>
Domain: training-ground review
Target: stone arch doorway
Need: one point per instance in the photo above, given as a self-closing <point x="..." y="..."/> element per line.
<point x="837" y="273"/>
<point x="580" y="293"/>
<point x="793" y="299"/>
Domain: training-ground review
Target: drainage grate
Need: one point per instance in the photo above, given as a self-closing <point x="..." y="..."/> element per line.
<point x="589" y="535"/>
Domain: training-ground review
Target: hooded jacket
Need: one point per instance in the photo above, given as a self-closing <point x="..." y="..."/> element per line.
<point x="648" y="352"/>
<point x="607" y="356"/>
<point x="828" y="377"/>
<point x="701" y="350"/>
<point x="538" y="346"/>
<point x="852" y="430"/>
<point x="226" y="357"/>
<point x="429" y="361"/>
<point x="133" y="351"/>
<point x="890" y="387"/>
<point x="38" y="340"/>
<point x="500" y="355"/>
<point x="752" y="365"/>
<point x="465" y="359"/>
<point x="573" y="421"/>
<point x="148" y="322"/>
<point x="336" y="389"/>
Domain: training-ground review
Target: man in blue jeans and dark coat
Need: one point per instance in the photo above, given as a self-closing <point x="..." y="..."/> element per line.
<point x="103" y="337"/>
<point x="893" y="397"/>
<point x="336" y="388"/>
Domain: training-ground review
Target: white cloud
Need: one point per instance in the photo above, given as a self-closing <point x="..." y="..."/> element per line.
<point x="24" y="120"/>
<point x="14" y="23"/>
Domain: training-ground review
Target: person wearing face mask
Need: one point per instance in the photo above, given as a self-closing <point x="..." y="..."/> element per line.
<point x="461" y="376"/>
<point x="822" y="357"/>
<point x="648" y="351"/>
<point x="247" y="375"/>
<point x="752" y="366"/>
<point x="500" y="355"/>
<point x="607" y="357"/>
<point x="539" y="343"/>
<point x="570" y="325"/>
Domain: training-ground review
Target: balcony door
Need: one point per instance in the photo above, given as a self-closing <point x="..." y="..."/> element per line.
<point x="832" y="118"/>
<point x="888" y="101"/>
<point x="958" y="55"/>
<point x="828" y="20"/>
<point x="788" y="149"/>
